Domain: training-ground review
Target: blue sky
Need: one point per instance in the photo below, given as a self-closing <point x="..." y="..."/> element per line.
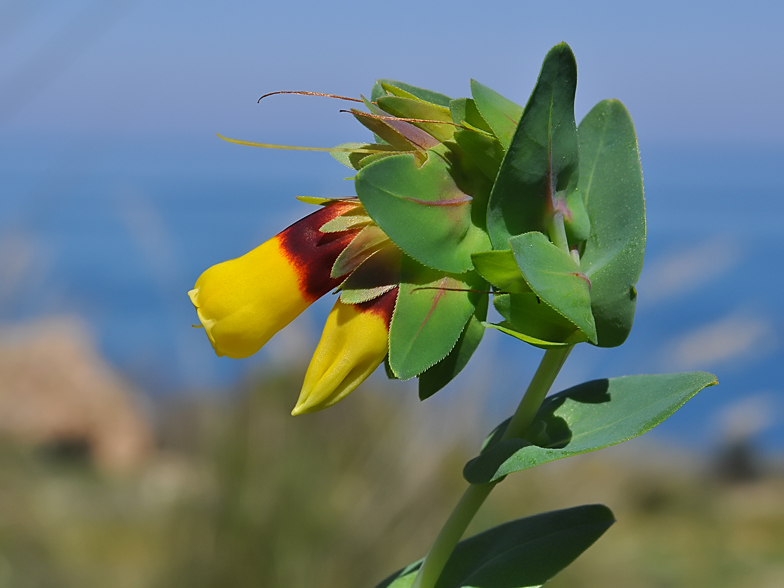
<point x="688" y="71"/>
<point x="122" y="194"/>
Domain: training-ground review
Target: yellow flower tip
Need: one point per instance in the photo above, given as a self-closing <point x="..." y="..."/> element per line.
<point x="352" y="346"/>
<point x="243" y="302"/>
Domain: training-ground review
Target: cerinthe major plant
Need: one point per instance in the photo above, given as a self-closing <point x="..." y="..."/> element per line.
<point x="457" y="201"/>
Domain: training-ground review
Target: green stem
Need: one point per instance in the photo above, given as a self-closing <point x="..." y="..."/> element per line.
<point x="475" y="494"/>
<point x="543" y="379"/>
<point x="450" y="534"/>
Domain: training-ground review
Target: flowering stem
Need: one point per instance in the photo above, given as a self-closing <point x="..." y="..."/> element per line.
<point x="543" y="379"/>
<point x="475" y="494"/>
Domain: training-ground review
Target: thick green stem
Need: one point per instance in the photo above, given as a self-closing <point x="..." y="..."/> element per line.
<point x="475" y="494"/>
<point x="543" y="379"/>
<point x="450" y="534"/>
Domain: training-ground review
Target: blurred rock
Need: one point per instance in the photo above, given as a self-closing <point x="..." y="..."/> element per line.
<point x="57" y="392"/>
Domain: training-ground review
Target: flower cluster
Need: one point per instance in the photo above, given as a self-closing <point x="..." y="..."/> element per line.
<point x="456" y="199"/>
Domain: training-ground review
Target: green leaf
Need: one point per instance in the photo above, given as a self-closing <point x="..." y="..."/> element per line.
<point x="415" y="108"/>
<point x="438" y="376"/>
<point x="355" y="160"/>
<point x="531" y="320"/>
<point x="400" y="134"/>
<point x="556" y="279"/>
<point x="424" y="210"/>
<point x="588" y="417"/>
<point x="396" y="88"/>
<point x="524" y="553"/>
<point x="431" y="312"/>
<point x="500" y="269"/>
<point x="508" y="329"/>
<point x="484" y="149"/>
<point x="464" y="111"/>
<point x="501" y="114"/>
<point x="542" y="156"/>
<point x="611" y="186"/>
<point x="352" y="219"/>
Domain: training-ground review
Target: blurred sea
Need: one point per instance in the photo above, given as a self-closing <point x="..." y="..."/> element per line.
<point x="116" y="232"/>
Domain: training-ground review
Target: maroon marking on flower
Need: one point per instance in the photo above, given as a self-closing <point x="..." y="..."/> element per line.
<point x="383" y="306"/>
<point x="312" y="253"/>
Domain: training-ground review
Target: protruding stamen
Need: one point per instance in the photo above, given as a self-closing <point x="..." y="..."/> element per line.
<point x="298" y="93"/>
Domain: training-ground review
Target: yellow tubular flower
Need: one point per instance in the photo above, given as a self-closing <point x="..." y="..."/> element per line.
<point x="354" y="343"/>
<point x="243" y="302"/>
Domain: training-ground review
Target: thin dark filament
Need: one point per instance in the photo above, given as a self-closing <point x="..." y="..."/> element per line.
<point x="458" y="290"/>
<point x="309" y="94"/>
<point x="412" y="120"/>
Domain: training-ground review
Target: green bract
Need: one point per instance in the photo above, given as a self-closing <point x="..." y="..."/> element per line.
<point x="549" y="214"/>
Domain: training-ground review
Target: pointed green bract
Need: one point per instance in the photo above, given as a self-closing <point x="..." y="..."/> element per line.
<point x="524" y="553"/>
<point x="556" y="279"/>
<point x="431" y="312"/>
<point x="424" y="211"/>
<point x="542" y="156"/>
<point x="501" y="114"/>
<point x="465" y="112"/>
<point x="508" y="329"/>
<point x="438" y="376"/>
<point x="483" y="148"/>
<point x="500" y="269"/>
<point x="413" y="108"/>
<point x="359" y="158"/>
<point x="611" y="185"/>
<point x="382" y="87"/>
<point x="588" y="417"/>
<point x="352" y="219"/>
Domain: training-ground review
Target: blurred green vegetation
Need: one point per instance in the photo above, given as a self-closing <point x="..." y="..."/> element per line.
<point x="240" y="494"/>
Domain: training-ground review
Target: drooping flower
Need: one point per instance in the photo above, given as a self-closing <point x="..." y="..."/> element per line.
<point x="353" y="344"/>
<point x="243" y="302"/>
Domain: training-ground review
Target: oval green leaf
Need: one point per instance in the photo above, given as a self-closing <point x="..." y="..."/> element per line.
<point x="500" y="114"/>
<point x="556" y="279"/>
<point x="500" y="269"/>
<point x="611" y="186"/>
<point x="542" y="156"/>
<point x="531" y="320"/>
<point x="524" y="553"/>
<point x="431" y="312"/>
<point x="435" y="378"/>
<point x="423" y="210"/>
<point x="588" y="417"/>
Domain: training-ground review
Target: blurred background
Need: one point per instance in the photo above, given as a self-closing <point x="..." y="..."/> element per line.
<point x="132" y="456"/>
